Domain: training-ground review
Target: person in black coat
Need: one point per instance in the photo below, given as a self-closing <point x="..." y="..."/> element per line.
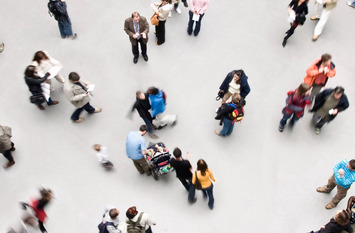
<point x="299" y="10"/>
<point x="338" y="224"/>
<point x="142" y="106"/>
<point x="240" y="85"/>
<point x="327" y="105"/>
<point x="34" y="85"/>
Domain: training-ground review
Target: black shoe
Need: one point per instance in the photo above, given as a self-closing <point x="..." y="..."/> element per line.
<point x="135" y="60"/>
<point x="160" y="127"/>
<point x="281" y="127"/>
<point x="284" y="43"/>
<point x="145" y="57"/>
<point x="190" y="33"/>
<point x="193" y="201"/>
<point x="185" y="4"/>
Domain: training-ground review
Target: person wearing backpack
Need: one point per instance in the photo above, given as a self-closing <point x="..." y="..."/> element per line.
<point x="228" y="114"/>
<point x="139" y="222"/>
<point x="58" y="8"/>
<point x="110" y="221"/>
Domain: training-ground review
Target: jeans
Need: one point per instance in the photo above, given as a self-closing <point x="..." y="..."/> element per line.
<point x="191" y="23"/>
<point x="87" y="107"/>
<point x="135" y="49"/>
<point x="65" y="28"/>
<point x="206" y="192"/>
<point x="148" y="123"/>
<point x="288" y="116"/>
<point x="186" y="183"/>
<point x="227" y="127"/>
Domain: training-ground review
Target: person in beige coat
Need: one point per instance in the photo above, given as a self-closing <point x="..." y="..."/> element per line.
<point x="324" y="8"/>
<point x="6" y="145"/>
<point x="137" y="29"/>
<point x="78" y="94"/>
<point x="162" y="8"/>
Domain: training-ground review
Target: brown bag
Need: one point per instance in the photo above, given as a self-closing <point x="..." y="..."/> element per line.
<point x="155" y="19"/>
<point x="197" y="183"/>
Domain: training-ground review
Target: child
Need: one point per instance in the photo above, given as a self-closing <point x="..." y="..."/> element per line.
<point x="102" y="156"/>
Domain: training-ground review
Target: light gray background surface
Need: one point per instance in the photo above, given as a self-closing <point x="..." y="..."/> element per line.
<point x="266" y="180"/>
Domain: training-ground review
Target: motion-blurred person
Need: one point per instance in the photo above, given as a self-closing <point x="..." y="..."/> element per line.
<point x="162" y="8"/>
<point x="295" y="103"/>
<point x="59" y="9"/>
<point x="101" y="153"/>
<point x="110" y="221"/>
<point x="324" y="7"/>
<point x="343" y="176"/>
<point x="338" y="224"/>
<point x="137" y="220"/>
<point x="77" y="92"/>
<point x="196" y="13"/>
<point x="297" y="11"/>
<point x="236" y="81"/>
<point x="182" y="167"/>
<point x="327" y="105"/>
<point x="2" y="47"/>
<point x="27" y="223"/>
<point x="6" y="145"/>
<point x="351" y="4"/>
<point x="34" y="82"/>
<point x="137" y="29"/>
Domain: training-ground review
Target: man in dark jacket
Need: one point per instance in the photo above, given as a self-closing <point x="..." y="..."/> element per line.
<point x="142" y="106"/>
<point x="64" y="22"/>
<point x="327" y="105"/>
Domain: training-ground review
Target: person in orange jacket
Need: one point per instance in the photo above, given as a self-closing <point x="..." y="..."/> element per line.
<point x="319" y="72"/>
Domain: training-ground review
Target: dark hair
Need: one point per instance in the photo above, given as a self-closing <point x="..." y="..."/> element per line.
<point x="352" y="164"/>
<point x="73" y="76"/>
<point x="202" y="166"/>
<point x="30" y="71"/>
<point x="46" y="194"/>
<point x="302" y="89"/>
<point x="325" y="57"/>
<point x="236" y="99"/>
<point x="153" y="90"/>
<point x="131" y="212"/>
<point x="339" y="90"/>
<point x="113" y="213"/>
<point x="177" y="152"/>
<point x="135" y="14"/>
<point x="299" y="0"/>
<point x="169" y="1"/>
<point x="143" y="128"/>
<point x="342" y="218"/>
<point x="239" y="73"/>
<point x="39" y="56"/>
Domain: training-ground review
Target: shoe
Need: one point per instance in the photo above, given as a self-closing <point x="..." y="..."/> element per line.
<point x="97" y="110"/>
<point x="284" y="43"/>
<point x="350" y="4"/>
<point x="154" y="127"/>
<point x="211" y="207"/>
<point x="160" y="127"/>
<point x="317" y="131"/>
<point x="9" y="164"/>
<point x="79" y="120"/>
<point x="174" y="123"/>
<point x="189" y="33"/>
<point x="178" y="10"/>
<point x="160" y="43"/>
<point x="135" y="60"/>
<point x="314" y="18"/>
<point x="41" y="107"/>
<point x="321" y="190"/>
<point x="195" y="34"/>
<point x="73" y="37"/>
<point x="193" y="201"/>
<point x="2" y="46"/>
<point x="153" y="136"/>
<point x="314" y="38"/>
<point x="218" y="132"/>
<point x="330" y="205"/>
<point x="145" y="57"/>
<point x="281" y="127"/>
<point x="185" y="4"/>
<point x="170" y="14"/>
<point x="54" y="102"/>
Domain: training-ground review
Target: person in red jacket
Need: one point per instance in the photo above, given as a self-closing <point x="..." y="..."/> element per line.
<point x="295" y="104"/>
<point x="319" y="72"/>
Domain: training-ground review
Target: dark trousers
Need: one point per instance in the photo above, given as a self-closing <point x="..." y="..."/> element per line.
<point x="206" y="192"/>
<point x="160" y="32"/>
<point x="142" y="166"/>
<point x="286" y="116"/>
<point x="65" y="28"/>
<point x="135" y="49"/>
<point x="291" y="31"/>
<point x="191" y="23"/>
<point x="41" y="226"/>
<point x="7" y="154"/>
<point x="319" y="122"/>
<point x="149" y="124"/>
<point x="185" y="182"/>
<point x="87" y="107"/>
<point x="149" y="230"/>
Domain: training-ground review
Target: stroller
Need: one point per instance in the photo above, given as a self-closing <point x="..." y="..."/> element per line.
<point x="158" y="158"/>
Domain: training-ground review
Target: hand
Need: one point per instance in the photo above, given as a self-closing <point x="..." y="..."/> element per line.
<point x="144" y="35"/>
<point x="87" y="83"/>
<point x="135" y="36"/>
<point x="86" y="94"/>
<point x="335" y="111"/>
<point x="341" y="173"/>
<point x="188" y="156"/>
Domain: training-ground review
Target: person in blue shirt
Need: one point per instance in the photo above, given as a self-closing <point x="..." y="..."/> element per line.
<point x="343" y="177"/>
<point x="136" y="149"/>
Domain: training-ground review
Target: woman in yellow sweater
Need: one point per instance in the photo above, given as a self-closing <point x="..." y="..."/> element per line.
<point x="204" y="176"/>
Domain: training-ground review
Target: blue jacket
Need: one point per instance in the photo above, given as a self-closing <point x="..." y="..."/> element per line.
<point x="244" y="86"/>
<point x="157" y="103"/>
<point x="349" y="176"/>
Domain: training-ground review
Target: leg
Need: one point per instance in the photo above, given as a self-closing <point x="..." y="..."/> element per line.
<point x="289" y="33"/>
<point x="230" y="130"/>
<point x="315" y="90"/>
<point x="322" y="21"/>
<point x="341" y="193"/>
<point x="284" y="119"/>
<point x="161" y="36"/>
<point x="61" y="29"/>
<point x="148" y="123"/>
<point x="191" y="197"/>
<point x="226" y="97"/>
<point x="190" y="24"/>
<point x="184" y="183"/>
<point x="331" y="184"/>
<point x="294" y="119"/>
<point x="322" y="122"/>
<point x="41" y="227"/>
<point x="135" y="50"/>
<point x="149" y="230"/>
<point x="198" y="25"/>
<point x="49" y="101"/>
<point x="59" y="78"/>
<point x="226" y="127"/>
<point x="67" y="27"/>
<point x="168" y="119"/>
<point x="87" y="107"/>
<point x="210" y="196"/>
<point x="76" y="114"/>
<point x="143" y="47"/>
<point x="138" y="166"/>
<point x="143" y="163"/>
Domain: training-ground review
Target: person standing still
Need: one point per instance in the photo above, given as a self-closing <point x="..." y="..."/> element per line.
<point x="196" y="12"/>
<point x="64" y="22"/>
<point x="162" y="8"/>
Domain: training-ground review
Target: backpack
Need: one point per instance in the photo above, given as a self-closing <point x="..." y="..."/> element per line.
<point x="164" y="96"/>
<point x="103" y="227"/>
<point x="52" y="9"/>
<point x="134" y="227"/>
<point x="237" y="114"/>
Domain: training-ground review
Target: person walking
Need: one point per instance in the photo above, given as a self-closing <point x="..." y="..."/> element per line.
<point x="295" y="103"/>
<point x="338" y="224"/>
<point x="78" y="94"/>
<point x="136" y="149"/>
<point x="204" y="176"/>
<point x="182" y="167"/>
<point x="2" y="47"/>
<point x="139" y="220"/>
<point x="343" y="176"/>
<point x="64" y="23"/>
<point x="324" y="7"/>
<point x="101" y="153"/>
<point x="196" y="13"/>
<point x="6" y="145"/>
<point x="176" y="5"/>
<point x="236" y="81"/>
<point x="142" y="106"/>
<point x="137" y="29"/>
<point x="327" y="106"/>
<point x="319" y="73"/>
<point x="34" y="82"/>
<point x="297" y="10"/>
<point x="162" y="8"/>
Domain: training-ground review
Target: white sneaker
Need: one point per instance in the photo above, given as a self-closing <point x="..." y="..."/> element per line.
<point x="178" y="10"/>
<point x="170" y="14"/>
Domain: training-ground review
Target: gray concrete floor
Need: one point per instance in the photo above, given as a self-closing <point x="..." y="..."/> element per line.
<point x="266" y="180"/>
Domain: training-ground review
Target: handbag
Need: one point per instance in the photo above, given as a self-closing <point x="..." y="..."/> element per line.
<point x="220" y="95"/>
<point x="197" y="183"/>
<point x="37" y="99"/>
<point x="155" y="19"/>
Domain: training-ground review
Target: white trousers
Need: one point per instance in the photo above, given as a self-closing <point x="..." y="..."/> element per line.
<point x="163" y="119"/>
<point x="323" y="15"/>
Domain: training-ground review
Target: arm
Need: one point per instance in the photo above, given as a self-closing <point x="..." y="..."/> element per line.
<point x="150" y="220"/>
<point x="339" y="174"/>
<point x="226" y="81"/>
<point x="245" y="88"/>
<point x="211" y="175"/>
<point x="112" y="229"/>
<point x="331" y="71"/>
<point x="204" y="7"/>
<point x="37" y="80"/>
<point x="344" y="105"/>
<point x="313" y="70"/>
<point x="146" y="25"/>
<point x="126" y="28"/>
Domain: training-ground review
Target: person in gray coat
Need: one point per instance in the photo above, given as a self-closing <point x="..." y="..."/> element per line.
<point x="78" y="94"/>
<point x="6" y="145"/>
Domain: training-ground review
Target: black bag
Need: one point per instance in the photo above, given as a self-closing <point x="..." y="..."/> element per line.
<point x="52" y="9"/>
<point x="197" y="183"/>
<point x="220" y="95"/>
<point x="37" y="99"/>
<point x="301" y="18"/>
